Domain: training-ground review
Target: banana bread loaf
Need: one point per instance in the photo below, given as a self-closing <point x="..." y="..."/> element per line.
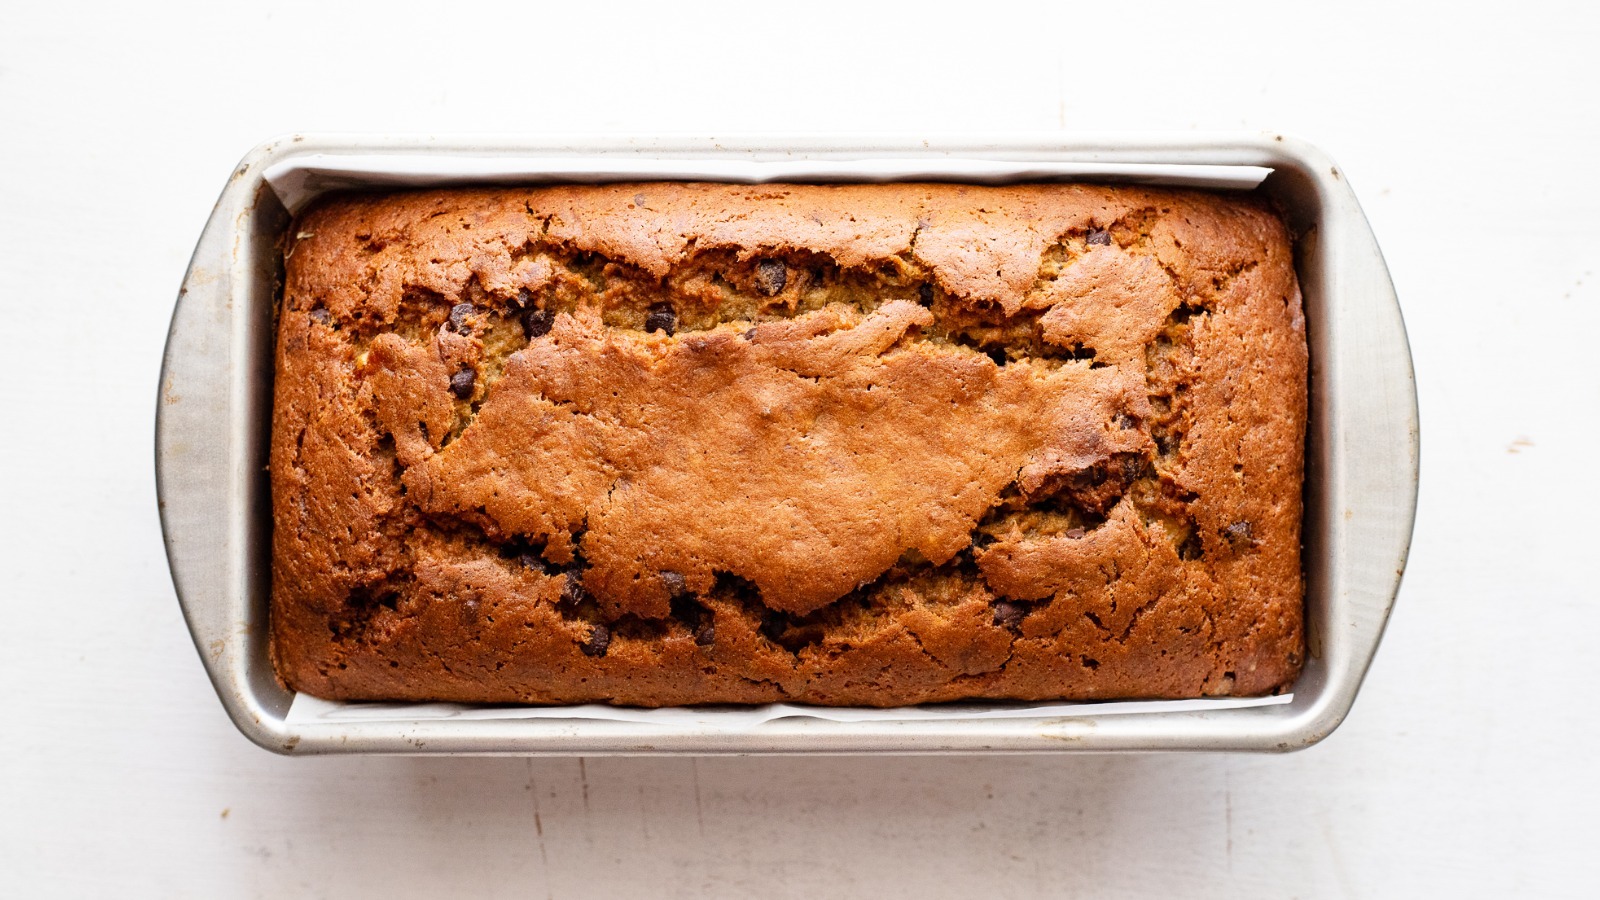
<point x="660" y="444"/>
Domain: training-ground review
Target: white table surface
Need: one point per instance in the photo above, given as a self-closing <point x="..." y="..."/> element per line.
<point x="1469" y="132"/>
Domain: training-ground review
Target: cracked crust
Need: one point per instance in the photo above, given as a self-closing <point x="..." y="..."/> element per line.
<point x="664" y="444"/>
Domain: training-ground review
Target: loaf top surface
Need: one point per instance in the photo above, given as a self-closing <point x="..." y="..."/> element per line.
<point x="810" y="420"/>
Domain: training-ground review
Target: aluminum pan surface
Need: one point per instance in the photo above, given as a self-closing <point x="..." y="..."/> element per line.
<point x="1361" y="455"/>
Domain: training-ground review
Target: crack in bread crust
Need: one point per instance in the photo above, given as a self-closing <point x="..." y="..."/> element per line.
<point x="666" y="444"/>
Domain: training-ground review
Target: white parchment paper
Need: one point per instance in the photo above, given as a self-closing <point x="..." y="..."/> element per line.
<point x="299" y="181"/>
<point x="307" y="709"/>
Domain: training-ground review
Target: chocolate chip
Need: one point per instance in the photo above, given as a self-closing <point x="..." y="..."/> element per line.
<point x="925" y="293"/>
<point x="706" y="634"/>
<point x="599" y="640"/>
<point x="461" y="383"/>
<point x="1008" y="615"/>
<point x="536" y="322"/>
<point x="674" y="583"/>
<point x="771" y="276"/>
<point x="750" y="335"/>
<point x="1075" y="533"/>
<point x="572" y="592"/>
<point x="458" y="317"/>
<point x="1084" y="479"/>
<point x="1239" y="535"/>
<point x="1098" y="238"/>
<point x="320" y="315"/>
<point x="662" y="317"/>
<point x="1132" y="467"/>
<point x="532" y="560"/>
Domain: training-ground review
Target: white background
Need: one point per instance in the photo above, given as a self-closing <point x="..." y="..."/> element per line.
<point x="1466" y="768"/>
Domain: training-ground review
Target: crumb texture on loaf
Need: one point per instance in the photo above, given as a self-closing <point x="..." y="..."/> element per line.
<point x="662" y="444"/>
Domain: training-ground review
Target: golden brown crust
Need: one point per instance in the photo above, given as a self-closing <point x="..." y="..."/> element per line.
<point x="872" y="445"/>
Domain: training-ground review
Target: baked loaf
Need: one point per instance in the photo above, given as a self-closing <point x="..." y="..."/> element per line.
<point x="661" y="444"/>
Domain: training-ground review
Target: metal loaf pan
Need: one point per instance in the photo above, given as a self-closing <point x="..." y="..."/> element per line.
<point x="215" y="405"/>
